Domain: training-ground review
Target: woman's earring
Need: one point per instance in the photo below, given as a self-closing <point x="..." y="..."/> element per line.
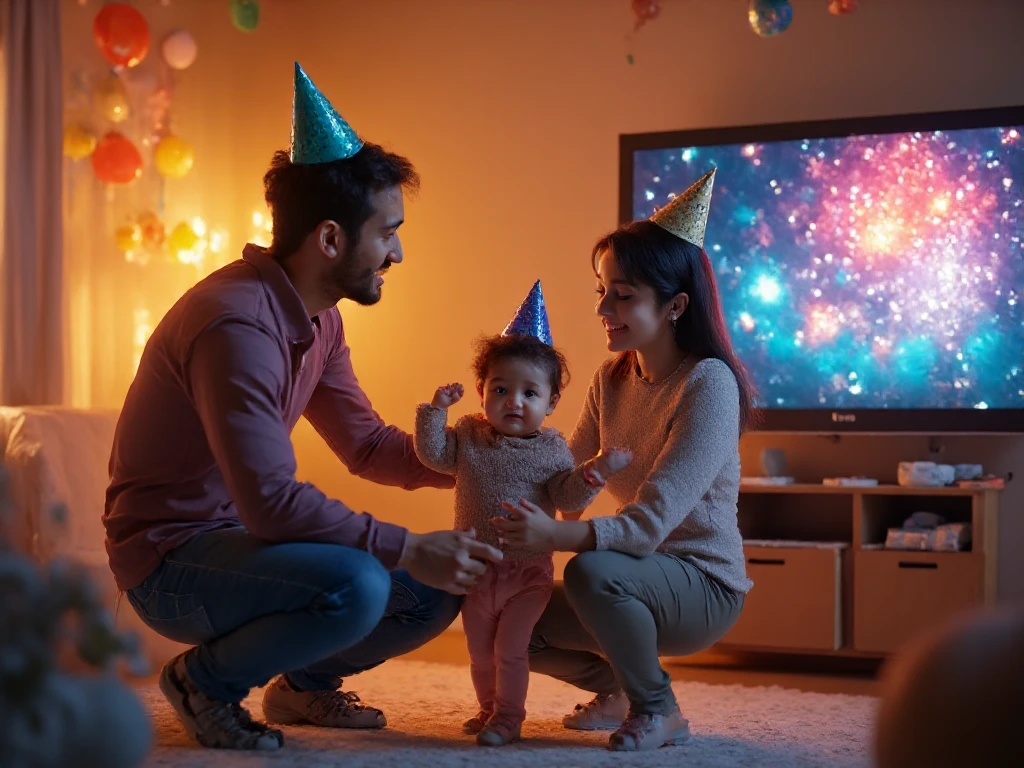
<point x="673" y="320"/>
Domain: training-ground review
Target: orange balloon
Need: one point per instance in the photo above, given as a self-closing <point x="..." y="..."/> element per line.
<point x="116" y="160"/>
<point x="122" y="34"/>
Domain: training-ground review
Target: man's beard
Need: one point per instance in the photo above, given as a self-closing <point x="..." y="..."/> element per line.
<point x="361" y="288"/>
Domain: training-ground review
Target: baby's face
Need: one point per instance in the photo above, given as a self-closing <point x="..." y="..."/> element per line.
<point x="517" y="396"/>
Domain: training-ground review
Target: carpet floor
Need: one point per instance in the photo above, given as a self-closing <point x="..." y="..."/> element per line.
<point x="426" y="704"/>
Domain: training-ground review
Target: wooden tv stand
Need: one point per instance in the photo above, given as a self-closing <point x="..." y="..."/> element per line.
<point x="833" y="589"/>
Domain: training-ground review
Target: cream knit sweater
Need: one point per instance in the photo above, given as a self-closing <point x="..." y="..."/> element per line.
<point x="490" y="468"/>
<point x="679" y="493"/>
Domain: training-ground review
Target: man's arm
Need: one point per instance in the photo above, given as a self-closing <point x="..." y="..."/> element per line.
<point x="341" y="413"/>
<point x="236" y="379"/>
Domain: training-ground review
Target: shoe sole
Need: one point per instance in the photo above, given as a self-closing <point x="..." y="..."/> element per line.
<point x="679" y="738"/>
<point x="176" y="697"/>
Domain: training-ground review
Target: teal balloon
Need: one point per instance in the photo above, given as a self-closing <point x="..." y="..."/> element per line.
<point x="770" y="17"/>
<point x="245" y="14"/>
<point x="319" y="133"/>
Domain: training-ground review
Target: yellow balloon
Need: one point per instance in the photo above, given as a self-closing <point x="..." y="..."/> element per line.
<point x="173" y="157"/>
<point x="182" y="238"/>
<point x="111" y="99"/>
<point x="128" y="237"/>
<point x="79" y="142"/>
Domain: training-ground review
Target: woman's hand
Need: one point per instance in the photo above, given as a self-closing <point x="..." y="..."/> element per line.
<point x="447" y="396"/>
<point x="527" y="525"/>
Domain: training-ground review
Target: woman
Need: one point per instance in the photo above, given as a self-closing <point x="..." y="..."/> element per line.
<point x="666" y="575"/>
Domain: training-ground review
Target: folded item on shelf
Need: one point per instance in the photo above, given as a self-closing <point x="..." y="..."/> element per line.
<point x="923" y="521"/>
<point x="952" y="537"/>
<point x="924" y="474"/>
<point x="967" y="471"/>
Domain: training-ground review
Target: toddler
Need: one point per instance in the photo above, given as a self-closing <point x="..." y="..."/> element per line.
<point x="504" y="455"/>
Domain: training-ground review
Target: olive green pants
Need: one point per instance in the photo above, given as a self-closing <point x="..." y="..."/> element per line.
<point x="614" y="614"/>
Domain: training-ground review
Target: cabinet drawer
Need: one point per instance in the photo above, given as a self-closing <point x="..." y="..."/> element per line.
<point x="795" y="603"/>
<point x="900" y="594"/>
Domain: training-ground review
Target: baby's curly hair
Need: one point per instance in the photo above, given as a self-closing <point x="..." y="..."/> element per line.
<point x="491" y="349"/>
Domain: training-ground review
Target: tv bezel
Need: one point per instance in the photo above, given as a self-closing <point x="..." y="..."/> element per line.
<point x="846" y="420"/>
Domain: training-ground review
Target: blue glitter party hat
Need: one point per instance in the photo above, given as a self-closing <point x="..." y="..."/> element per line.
<point x="531" y="318"/>
<point x="319" y="133"/>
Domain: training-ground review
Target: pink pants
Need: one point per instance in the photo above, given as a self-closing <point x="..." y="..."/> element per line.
<point x="498" y="617"/>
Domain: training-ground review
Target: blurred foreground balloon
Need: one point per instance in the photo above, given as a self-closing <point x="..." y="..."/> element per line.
<point x="116" y="160"/>
<point x="122" y="34"/>
<point x="770" y="17"/>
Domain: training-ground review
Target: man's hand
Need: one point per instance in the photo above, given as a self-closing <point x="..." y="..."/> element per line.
<point x="606" y="464"/>
<point x="447" y="396"/>
<point x="448" y="560"/>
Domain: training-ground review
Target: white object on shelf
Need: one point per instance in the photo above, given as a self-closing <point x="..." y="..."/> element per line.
<point x="767" y="481"/>
<point x="924" y="474"/>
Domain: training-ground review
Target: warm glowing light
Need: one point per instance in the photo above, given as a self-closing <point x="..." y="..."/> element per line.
<point x="199" y="226"/>
<point x="143" y="328"/>
<point x="749" y="151"/>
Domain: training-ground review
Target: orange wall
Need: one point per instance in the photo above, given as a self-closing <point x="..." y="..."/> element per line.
<point x="511" y="110"/>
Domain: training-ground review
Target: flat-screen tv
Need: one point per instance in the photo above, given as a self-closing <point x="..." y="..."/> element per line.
<point x="871" y="270"/>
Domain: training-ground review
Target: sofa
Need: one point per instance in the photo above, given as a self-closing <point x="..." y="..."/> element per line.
<point x="56" y="461"/>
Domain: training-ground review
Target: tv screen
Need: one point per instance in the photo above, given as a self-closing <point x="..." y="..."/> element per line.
<point x="871" y="271"/>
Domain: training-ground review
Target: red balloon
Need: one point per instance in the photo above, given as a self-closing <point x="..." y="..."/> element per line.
<point x="645" y="10"/>
<point x="116" y="160"/>
<point x="122" y="34"/>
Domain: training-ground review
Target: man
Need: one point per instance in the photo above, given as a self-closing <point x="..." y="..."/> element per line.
<point x="208" y="531"/>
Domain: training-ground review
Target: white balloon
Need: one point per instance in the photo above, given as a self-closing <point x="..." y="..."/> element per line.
<point x="180" y="49"/>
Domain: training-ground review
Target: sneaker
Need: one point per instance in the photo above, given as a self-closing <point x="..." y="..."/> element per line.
<point x="283" y="705"/>
<point x="213" y="723"/>
<point x="605" y="712"/>
<point x="642" y="732"/>
<point x="476" y="723"/>
<point x="499" y="731"/>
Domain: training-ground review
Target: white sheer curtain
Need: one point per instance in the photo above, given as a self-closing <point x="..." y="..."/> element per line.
<point x="32" y="338"/>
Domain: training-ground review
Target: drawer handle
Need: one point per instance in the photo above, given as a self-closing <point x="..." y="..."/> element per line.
<point x="929" y="566"/>
<point x="765" y="561"/>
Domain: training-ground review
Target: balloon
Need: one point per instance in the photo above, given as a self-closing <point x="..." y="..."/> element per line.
<point x="128" y="237"/>
<point x="111" y="99"/>
<point x="179" y="49"/>
<point x="122" y="34"/>
<point x="245" y="14"/>
<point x="645" y="10"/>
<point x="173" y="157"/>
<point x="79" y="142"/>
<point x="152" y="229"/>
<point x="770" y="17"/>
<point x="839" y="7"/>
<point x="182" y="238"/>
<point x="116" y="160"/>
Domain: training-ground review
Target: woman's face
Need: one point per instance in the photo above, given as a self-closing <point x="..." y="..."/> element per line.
<point x="630" y="313"/>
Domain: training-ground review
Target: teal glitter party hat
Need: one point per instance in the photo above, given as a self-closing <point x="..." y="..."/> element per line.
<point x="531" y="318"/>
<point x="319" y="133"/>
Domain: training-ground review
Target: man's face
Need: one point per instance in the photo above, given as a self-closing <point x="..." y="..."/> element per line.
<point x="359" y="273"/>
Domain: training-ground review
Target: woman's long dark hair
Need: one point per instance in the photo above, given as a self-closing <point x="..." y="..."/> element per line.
<point x="649" y="255"/>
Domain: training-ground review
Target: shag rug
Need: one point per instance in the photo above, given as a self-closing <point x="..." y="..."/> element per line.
<point x="426" y="704"/>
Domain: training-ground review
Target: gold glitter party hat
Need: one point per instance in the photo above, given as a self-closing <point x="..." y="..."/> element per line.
<point x="687" y="216"/>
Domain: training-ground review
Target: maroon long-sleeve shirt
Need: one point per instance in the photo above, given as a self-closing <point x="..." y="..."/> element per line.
<point x="203" y="441"/>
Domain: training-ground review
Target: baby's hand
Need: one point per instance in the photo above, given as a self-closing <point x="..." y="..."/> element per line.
<point x="605" y="464"/>
<point x="447" y="396"/>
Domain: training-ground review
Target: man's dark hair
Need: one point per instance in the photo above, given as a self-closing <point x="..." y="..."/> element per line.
<point x="491" y="349"/>
<point x="302" y="196"/>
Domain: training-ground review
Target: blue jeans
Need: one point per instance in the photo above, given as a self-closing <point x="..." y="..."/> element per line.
<point x="315" y="612"/>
